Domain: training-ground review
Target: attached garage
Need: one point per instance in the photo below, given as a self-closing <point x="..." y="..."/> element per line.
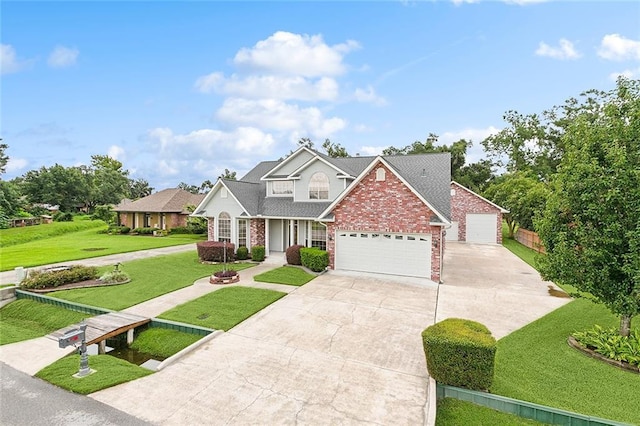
<point x="482" y="228"/>
<point x="384" y="253"/>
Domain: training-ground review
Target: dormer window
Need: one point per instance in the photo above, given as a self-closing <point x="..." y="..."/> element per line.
<point x="282" y="187"/>
<point x="319" y="187"/>
<point x="381" y="174"/>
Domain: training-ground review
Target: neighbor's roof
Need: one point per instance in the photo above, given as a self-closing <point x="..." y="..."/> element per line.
<point x="172" y="200"/>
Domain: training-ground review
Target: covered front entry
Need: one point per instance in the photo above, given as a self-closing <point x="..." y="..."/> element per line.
<point x="384" y="253"/>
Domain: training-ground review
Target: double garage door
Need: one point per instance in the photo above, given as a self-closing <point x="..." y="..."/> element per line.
<point x="384" y="253"/>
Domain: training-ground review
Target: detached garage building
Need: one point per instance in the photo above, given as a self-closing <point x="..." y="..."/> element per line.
<point x="474" y="219"/>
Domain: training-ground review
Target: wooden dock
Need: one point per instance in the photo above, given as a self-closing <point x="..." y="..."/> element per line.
<point x="106" y="326"/>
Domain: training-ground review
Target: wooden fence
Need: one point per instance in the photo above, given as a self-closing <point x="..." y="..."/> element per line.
<point x="529" y="239"/>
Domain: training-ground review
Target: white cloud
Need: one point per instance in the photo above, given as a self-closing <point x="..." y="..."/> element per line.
<point x="116" y="152"/>
<point x="9" y="62"/>
<point x="270" y="86"/>
<point x="628" y="73"/>
<point x="372" y="150"/>
<point x="565" y="50"/>
<point x="62" y="57"/>
<point x="296" y="54"/>
<point x="618" y="48"/>
<point x="369" y="95"/>
<point x="15" y="165"/>
<point x="276" y="115"/>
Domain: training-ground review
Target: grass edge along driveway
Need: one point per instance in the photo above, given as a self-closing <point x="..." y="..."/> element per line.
<point x="289" y="275"/>
<point x="150" y="278"/>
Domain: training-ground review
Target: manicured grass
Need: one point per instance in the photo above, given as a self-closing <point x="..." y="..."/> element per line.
<point x="26" y="319"/>
<point x="83" y="245"/>
<point x="536" y="364"/>
<point x="150" y="278"/>
<point x="110" y="371"/>
<point x="455" y="412"/>
<point x="21" y="235"/>
<point x="163" y="343"/>
<point x="289" y="275"/>
<point x="223" y="309"/>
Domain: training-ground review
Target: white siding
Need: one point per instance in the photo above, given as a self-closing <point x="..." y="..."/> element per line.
<point x="301" y="188"/>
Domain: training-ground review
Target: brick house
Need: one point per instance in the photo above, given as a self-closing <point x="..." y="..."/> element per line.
<point x="384" y="214"/>
<point x="474" y="219"/>
<point x="165" y="209"/>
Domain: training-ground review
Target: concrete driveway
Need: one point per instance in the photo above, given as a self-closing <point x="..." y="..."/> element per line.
<point x="341" y="349"/>
<point x="491" y="285"/>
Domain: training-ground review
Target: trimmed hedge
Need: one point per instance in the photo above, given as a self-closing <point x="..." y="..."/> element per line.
<point x="257" y="253"/>
<point x="460" y="353"/>
<point x="293" y="255"/>
<point x="180" y="230"/>
<point x="51" y="279"/>
<point x="214" y="251"/>
<point x="144" y="231"/>
<point x="242" y="253"/>
<point x="115" y="229"/>
<point x="315" y="259"/>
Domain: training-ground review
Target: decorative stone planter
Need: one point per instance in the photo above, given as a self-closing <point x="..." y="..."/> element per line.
<point x="224" y="280"/>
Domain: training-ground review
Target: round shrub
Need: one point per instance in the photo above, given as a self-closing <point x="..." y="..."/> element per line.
<point x="257" y="253"/>
<point x="63" y="217"/>
<point x="242" y="253"/>
<point x="293" y="254"/>
<point x="113" y="277"/>
<point x="215" y="251"/>
<point x="460" y="353"/>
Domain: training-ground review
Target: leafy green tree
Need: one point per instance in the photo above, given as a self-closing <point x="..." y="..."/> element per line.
<point x="189" y="188"/>
<point x="107" y="180"/>
<point x="4" y="159"/>
<point x="522" y="194"/>
<point x="139" y="188"/>
<point x="591" y="224"/>
<point x="10" y="199"/>
<point x="228" y="174"/>
<point x="475" y="176"/>
<point x="334" y="150"/>
<point x="104" y="213"/>
<point x="64" y="186"/>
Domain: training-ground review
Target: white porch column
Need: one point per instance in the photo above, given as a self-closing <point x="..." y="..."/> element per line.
<point x="266" y="237"/>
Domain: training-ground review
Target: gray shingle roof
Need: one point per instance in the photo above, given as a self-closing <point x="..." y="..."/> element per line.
<point x="172" y="200"/>
<point x="428" y="174"/>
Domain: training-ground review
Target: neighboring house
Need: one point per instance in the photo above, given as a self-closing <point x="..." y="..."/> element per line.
<point x="474" y="219"/>
<point x="165" y="209"/>
<point x="372" y="214"/>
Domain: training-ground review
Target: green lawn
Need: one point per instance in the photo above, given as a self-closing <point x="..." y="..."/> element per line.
<point x="83" y="245"/>
<point x="110" y="371"/>
<point x="453" y="412"/>
<point x="13" y="236"/>
<point x="26" y="319"/>
<point x="161" y="342"/>
<point x="536" y="364"/>
<point x="289" y="275"/>
<point x="223" y="309"/>
<point x="150" y="278"/>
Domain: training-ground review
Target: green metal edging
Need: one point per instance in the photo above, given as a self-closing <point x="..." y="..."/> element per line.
<point x="77" y="307"/>
<point x="179" y="326"/>
<point x="523" y="409"/>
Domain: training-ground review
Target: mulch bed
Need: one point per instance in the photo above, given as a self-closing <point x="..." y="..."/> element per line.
<point x="620" y="364"/>
<point x="81" y="284"/>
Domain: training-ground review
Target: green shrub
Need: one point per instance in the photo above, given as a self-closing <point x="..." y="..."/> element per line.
<point x="315" y="259"/>
<point x="115" y="229"/>
<point x="460" y="353"/>
<point x="257" y="253"/>
<point x="611" y="344"/>
<point x="63" y="217"/>
<point x="180" y="230"/>
<point x="215" y="251"/>
<point x="104" y="213"/>
<point x="44" y="278"/>
<point x="293" y="255"/>
<point x="144" y="231"/>
<point x="113" y="277"/>
<point x="242" y="253"/>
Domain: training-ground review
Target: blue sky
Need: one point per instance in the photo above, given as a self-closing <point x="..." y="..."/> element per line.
<point x="179" y="91"/>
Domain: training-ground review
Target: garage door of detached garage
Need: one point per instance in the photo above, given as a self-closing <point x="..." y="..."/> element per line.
<point x="395" y="254"/>
<point x="482" y="228"/>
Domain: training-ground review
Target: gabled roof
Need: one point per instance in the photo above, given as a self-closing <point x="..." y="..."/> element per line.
<point x="172" y="200"/>
<point x="316" y="156"/>
<point x="502" y="209"/>
<point x="426" y="175"/>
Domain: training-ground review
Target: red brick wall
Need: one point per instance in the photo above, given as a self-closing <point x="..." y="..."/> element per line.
<point x="211" y="228"/>
<point x="257" y="229"/>
<point x="386" y="206"/>
<point x="463" y="202"/>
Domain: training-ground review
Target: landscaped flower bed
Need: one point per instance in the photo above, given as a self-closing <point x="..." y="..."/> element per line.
<point x="609" y="346"/>
<point x="224" y="277"/>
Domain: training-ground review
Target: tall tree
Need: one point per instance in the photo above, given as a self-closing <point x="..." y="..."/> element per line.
<point x="4" y="159"/>
<point x="228" y="174"/>
<point x="591" y="224"/>
<point x="56" y="185"/>
<point x="139" y="188"/>
<point x="334" y="150"/>
<point x="108" y="181"/>
<point x="189" y="188"/>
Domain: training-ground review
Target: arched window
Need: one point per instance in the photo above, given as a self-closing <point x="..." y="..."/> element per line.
<point x="319" y="187"/>
<point x="380" y="174"/>
<point x="224" y="227"/>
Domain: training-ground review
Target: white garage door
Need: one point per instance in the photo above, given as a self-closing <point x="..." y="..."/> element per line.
<point x="452" y="233"/>
<point x="482" y="227"/>
<point x="396" y="254"/>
